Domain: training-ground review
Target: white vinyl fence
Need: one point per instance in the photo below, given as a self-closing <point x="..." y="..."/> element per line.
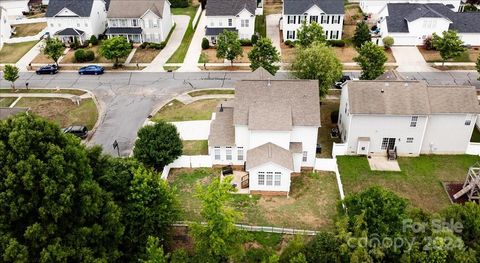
<point x="188" y="161"/>
<point x="267" y="229"/>
<point x="473" y="148"/>
<point x="339" y="149"/>
<point x="325" y="164"/>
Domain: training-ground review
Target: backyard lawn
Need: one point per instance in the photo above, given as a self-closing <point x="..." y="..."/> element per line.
<point x="11" y="53"/>
<point x="6" y="102"/>
<point x="470" y="55"/>
<point x="211" y="92"/>
<point x="324" y="138"/>
<point x="420" y="180"/>
<point x="311" y="205"/>
<point x="25" y="30"/>
<point x="199" y="147"/>
<point x="177" y="111"/>
<point x="62" y="111"/>
<point x="181" y="51"/>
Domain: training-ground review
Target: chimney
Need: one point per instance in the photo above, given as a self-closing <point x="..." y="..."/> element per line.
<point x="221" y="107"/>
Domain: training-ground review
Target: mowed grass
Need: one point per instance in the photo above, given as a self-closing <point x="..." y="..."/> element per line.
<point x="211" y="92"/>
<point x="261" y="25"/>
<point x="181" y="51"/>
<point x="6" y="102"/>
<point x="420" y="180"/>
<point x="62" y="111"/>
<point x="311" y="205"/>
<point x="26" y="30"/>
<point x="12" y="53"/>
<point x="194" y="147"/>
<point x="61" y="91"/>
<point x="177" y="111"/>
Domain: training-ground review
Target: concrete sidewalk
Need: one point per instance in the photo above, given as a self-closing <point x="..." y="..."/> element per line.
<point x="195" y="48"/>
<point x="181" y="24"/>
<point x="22" y="64"/>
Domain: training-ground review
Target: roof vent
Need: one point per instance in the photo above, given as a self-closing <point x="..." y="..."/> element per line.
<point x="387" y="84"/>
<point x="382" y="91"/>
<point x="221" y="107"/>
<point x="269" y="83"/>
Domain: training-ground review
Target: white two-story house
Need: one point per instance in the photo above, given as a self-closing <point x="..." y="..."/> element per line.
<point x="231" y="15"/>
<point x="140" y="21"/>
<point x="270" y="129"/>
<point x="5" y="29"/>
<point x="15" y="8"/>
<point x="411" y="24"/>
<point x="74" y="19"/>
<point x="373" y="7"/>
<point x="328" y="13"/>
<point x="409" y="116"/>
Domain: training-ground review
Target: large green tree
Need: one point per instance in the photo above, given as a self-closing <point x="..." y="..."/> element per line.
<point x="229" y="46"/>
<point x="158" y="145"/>
<point x="449" y="45"/>
<point x="115" y="48"/>
<point x="264" y="55"/>
<point x="219" y="239"/>
<point x="318" y="62"/>
<point x="307" y="34"/>
<point x="10" y="73"/>
<point x="371" y="59"/>
<point x="478" y="66"/>
<point x="51" y="208"/>
<point x="362" y="34"/>
<point x="53" y="48"/>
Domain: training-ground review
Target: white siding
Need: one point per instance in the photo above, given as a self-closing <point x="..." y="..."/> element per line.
<point x="5" y="30"/>
<point x="15" y="7"/>
<point x="374" y="6"/>
<point x="244" y="32"/>
<point x="280" y="138"/>
<point x="308" y="137"/>
<point x="270" y="167"/>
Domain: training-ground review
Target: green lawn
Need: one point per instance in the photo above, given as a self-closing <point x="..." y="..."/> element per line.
<point x="181" y="51"/>
<point x="211" y="92"/>
<point x="11" y="53"/>
<point x="63" y="91"/>
<point x="177" y="111"/>
<point x="63" y="111"/>
<point x="311" y="205"/>
<point x="199" y="147"/>
<point x="420" y="180"/>
<point x="6" y="102"/>
<point x="261" y="25"/>
<point x="32" y="29"/>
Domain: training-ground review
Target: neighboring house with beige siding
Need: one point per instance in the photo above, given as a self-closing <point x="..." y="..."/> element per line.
<point x="409" y="116"/>
<point x="140" y="20"/>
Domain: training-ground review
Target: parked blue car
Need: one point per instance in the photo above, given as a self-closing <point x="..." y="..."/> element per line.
<point x="48" y="69"/>
<point x="91" y="70"/>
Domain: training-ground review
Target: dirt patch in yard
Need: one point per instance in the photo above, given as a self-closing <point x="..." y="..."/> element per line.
<point x="42" y="59"/>
<point x="347" y="53"/>
<point x="470" y="55"/>
<point x="211" y="54"/>
<point x="353" y="14"/>
<point x="272" y="7"/>
<point x="145" y="55"/>
<point x="288" y="53"/>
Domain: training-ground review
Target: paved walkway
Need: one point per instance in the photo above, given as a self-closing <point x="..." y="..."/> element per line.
<point x="181" y="24"/>
<point x="409" y="59"/>
<point x="22" y="64"/>
<point x="195" y="48"/>
<point x="273" y="30"/>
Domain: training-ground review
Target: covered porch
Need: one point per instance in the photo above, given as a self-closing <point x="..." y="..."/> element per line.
<point x="70" y="35"/>
<point x="211" y="33"/>
<point x="132" y="34"/>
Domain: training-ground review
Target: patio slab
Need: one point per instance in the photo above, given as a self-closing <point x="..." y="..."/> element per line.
<point x="237" y="180"/>
<point x="381" y="163"/>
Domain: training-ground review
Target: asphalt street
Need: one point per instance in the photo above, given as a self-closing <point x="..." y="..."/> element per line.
<point x="126" y="99"/>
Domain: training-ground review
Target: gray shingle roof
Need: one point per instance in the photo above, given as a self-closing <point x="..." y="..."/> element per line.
<point x="409" y="98"/>
<point x="79" y="7"/>
<point x="215" y="31"/>
<point x="261" y="73"/>
<point x="69" y="32"/>
<point x="269" y="152"/>
<point x="229" y="7"/>
<point x="299" y="97"/>
<point x="124" y="30"/>
<point x="297" y="7"/>
<point x="400" y="13"/>
<point x="134" y="8"/>
<point x="222" y="131"/>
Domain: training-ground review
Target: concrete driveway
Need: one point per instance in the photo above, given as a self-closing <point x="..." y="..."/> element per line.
<point x="409" y="59"/>
<point x="273" y="30"/>
<point x="181" y="24"/>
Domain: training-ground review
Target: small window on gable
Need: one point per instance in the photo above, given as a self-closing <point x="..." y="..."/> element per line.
<point x="413" y="121"/>
<point x="468" y="120"/>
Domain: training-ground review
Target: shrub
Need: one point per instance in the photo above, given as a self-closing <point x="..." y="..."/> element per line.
<point x="290" y="43"/>
<point x="205" y="43"/>
<point x="428" y="43"/>
<point x="155" y="45"/>
<point x="388" y="42"/>
<point x="336" y="43"/>
<point x="254" y="39"/>
<point x="334" y="117"/>
<point x="79" y="55"/>
<point x="245" y="42"/>
<point x="93" y="40"/>
<point x="89" y="55"/>
<point x="144" y="45"/>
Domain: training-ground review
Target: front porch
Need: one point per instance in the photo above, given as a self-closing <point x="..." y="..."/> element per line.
<point x="70" y="35"/>
<point x="132" y="34"/>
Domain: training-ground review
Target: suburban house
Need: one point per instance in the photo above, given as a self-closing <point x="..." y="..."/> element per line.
<point x="407" y="117"/>
<point x="373" y="7"/>
<point x="15" y="8"/>
<point x="232" y="15"/>
<point x="5" y="29"/>
<point x="411" y="24"/>
<point x="269" y="130"/>
<point x="72" y="19"/>
<point x="140" y="21"/>
<point x="328" y="13"/>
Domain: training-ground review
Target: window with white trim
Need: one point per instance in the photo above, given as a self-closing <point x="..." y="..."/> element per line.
<point x="269" y="178"/>
<point x="304" y="156"/>
<point x="313" y="19"/>
<point x="245" y="22"/>
<point x="384" y="143"/>
<point x="290" y="34"/>
<point x="334" y="34"/>
<point x="216" y="152"/>
<point x="240" y="153"/>
<point x="335" y="19"/>
<point x="413" y="121"/>
<point x="326" y="34"/>
<point x="323" y="19"/>
<point x="290" y="19"/>
<point x="409" y="139"/>
<point x="302" y="19"/>
<point x="278" y="178"/>
<point x="261" y="178"/>
<point x="228" y="152"/>
<point x="134" y="22"/>
<point x="230" y="22"/>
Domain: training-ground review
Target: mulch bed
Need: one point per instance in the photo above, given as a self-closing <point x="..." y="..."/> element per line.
<point x="452" y="188"/>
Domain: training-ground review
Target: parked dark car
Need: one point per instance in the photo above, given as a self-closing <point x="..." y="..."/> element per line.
<point x="91" y="70"/>
<point x="48" y="69"/>
<point x="79" y="131"/>
<point x="339" y="84"/>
